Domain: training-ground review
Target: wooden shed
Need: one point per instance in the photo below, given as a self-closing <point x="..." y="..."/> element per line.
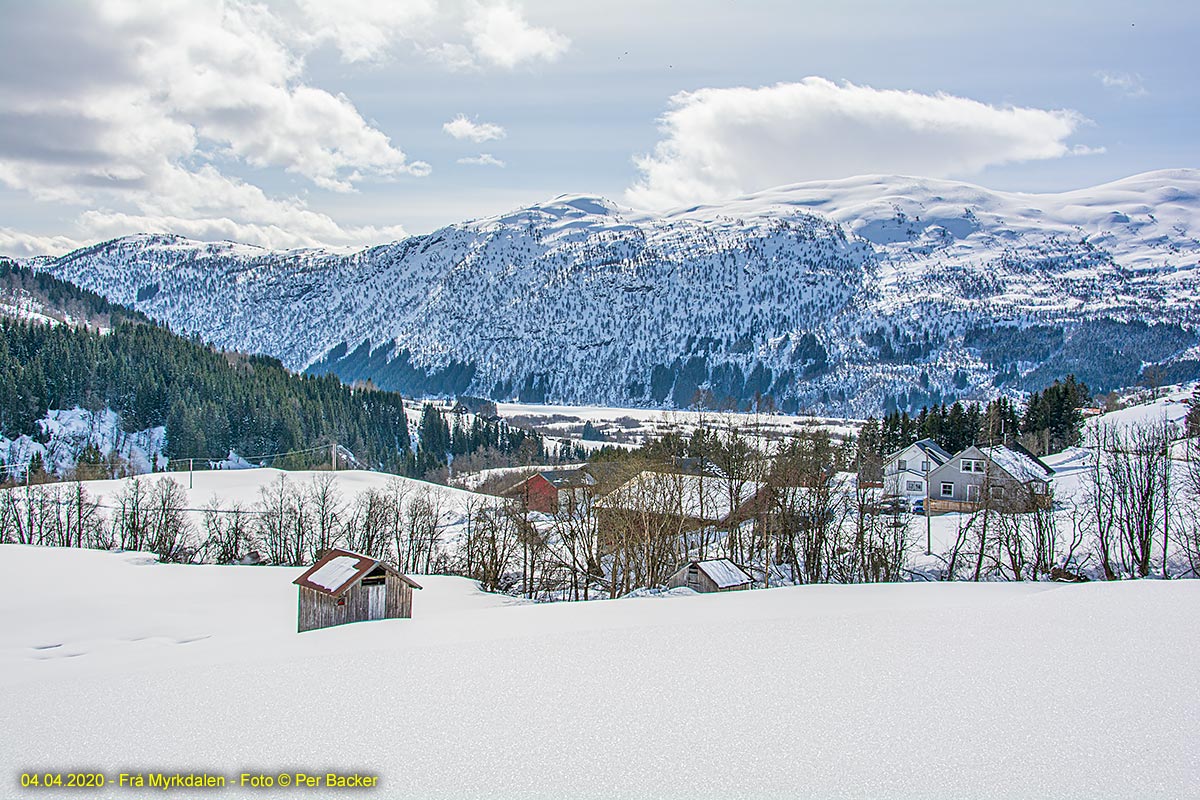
<point x="714" y="575"/>
<point x="349" y="587"/>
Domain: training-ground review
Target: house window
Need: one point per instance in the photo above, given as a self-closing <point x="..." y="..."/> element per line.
<point x="947" y="490"/>
<point x="972" y="493"/>
<point x="974" y="465"/>
<point x="997" y="492"/>
<point x="924" y="466"/>
<point x="903" y="465"/>
<point x="913" y="486"/>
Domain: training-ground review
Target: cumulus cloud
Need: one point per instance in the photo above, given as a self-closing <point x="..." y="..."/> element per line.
<point x="721" y="142"/>
<point x="1127" y="83"/>
<point x="482" y="160"/>
<point x="197" y="90"/>
<point x="500" y="35"/>
<point x="462" y="128"/>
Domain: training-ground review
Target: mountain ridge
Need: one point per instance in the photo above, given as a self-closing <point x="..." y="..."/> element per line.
<point x="856" y="295"/>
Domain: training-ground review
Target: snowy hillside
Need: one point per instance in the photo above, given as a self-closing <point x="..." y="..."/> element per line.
<point x="843" y="296"/>
<point x="63" y="435"/>
<point x="115" y="663"/>
<point x="245" y="489"/>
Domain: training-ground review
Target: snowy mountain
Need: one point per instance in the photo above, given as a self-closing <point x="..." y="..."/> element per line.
<point x="847" y="296"/>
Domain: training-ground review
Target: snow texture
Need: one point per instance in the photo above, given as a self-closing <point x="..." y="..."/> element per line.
<point x="925" y="690"/>
<point x="65" y="433"/>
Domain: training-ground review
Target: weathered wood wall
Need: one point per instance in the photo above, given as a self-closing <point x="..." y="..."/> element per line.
<point x="319" y="610"/>
<point x="399" y="598"/>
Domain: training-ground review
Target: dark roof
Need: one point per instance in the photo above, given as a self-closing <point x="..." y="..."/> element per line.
<point x="567" y="478"/>
<point x="558" y="478"/>
<point x="929" y="447"/>
<point x="338" y="570"/>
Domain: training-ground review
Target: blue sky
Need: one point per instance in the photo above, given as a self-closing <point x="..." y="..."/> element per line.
<point x="299" y="122"/>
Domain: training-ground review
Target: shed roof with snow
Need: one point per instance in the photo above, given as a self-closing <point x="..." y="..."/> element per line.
<point x="712" y="575"/>
<point x="338" y="570"/>
<point x="347" y="587"/>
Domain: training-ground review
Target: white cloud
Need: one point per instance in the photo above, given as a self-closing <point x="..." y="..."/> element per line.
<point x="462" y="128"/>
<point x="722" y="142"/>
<point x="482" y="160"/>
<point x="197" y="89"/>
<point x="1128" y="84"/>
<point x="501" y="36"/>
<point x="367" y="30"/>
<point x="22" y="245"/>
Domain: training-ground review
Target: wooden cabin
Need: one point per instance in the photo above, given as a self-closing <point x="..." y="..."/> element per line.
<point x="347" y="587"/>
<point x="714" y="575"/>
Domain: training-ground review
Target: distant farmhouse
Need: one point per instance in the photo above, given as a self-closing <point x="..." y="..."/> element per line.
<point x="906" y="471"/>
<point x="714" y="575"/>
<point x="1005" y="476"/>
<point x="347" y="587"/>
<point x="654" y="503"/>
<point x="554" y="491"/>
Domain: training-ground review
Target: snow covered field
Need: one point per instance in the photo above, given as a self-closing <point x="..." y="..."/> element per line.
<point x="245" y="486"/>
<point x="635" y="425"/>
<point x="113" y="662"/>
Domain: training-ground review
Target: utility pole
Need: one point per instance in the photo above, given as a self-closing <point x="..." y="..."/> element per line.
<point x="333" y="456"/>
<point x="189" y="473"/>
<point x="925" y="505"/>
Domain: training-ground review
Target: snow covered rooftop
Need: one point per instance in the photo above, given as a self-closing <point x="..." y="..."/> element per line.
<point x="1021" y="466"/>
<point x="338" y="570"/>
<point x="335" y="573"/>
<point x="723" y="572"/>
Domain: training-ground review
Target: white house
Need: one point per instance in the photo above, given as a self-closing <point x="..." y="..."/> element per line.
<point x="905" y="471"/>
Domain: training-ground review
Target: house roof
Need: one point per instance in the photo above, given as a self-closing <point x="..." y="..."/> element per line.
<point x="338" y="570"/>
<point x="567" y="478"/>
<point x="699" y="497"/>
<point x="723" y="572"/>
<point x="558" y="478"/>
<point x="929" y="447"/>
<point x="1022" y="465"/>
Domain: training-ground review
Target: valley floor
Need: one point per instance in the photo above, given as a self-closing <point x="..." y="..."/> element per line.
<point x="114" y="662"/>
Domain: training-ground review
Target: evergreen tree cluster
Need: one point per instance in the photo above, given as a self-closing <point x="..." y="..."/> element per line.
<point x="211" y="402"/>
<point x="443" y="438"/>
<point x="1050" y="422"/>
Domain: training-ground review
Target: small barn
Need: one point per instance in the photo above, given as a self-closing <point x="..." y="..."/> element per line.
<point x="554" y="491"/>
<point x="714" y="575"/>
<point x="347" y="587"/>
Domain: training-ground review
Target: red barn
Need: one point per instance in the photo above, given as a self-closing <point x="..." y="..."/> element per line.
<point x="553" y="491"/>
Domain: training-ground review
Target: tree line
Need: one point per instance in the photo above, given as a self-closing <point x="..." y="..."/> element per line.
<point x="214" y="402"/>
<point x="1050" y="421"/>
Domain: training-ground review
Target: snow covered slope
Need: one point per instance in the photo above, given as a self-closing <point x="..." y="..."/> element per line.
<point x="245" y="488"/>
<point x="837" y="296"/>
<point x="913" y="690"/>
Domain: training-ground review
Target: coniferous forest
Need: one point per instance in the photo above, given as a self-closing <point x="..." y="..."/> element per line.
<point x="211" y="402"/>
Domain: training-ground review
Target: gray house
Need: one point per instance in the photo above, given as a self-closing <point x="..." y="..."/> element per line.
<point x="1007" y="477"/>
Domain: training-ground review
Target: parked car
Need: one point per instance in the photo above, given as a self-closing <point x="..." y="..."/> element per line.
<point x="919" y="507"/>
<point x="891" y="505"/>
